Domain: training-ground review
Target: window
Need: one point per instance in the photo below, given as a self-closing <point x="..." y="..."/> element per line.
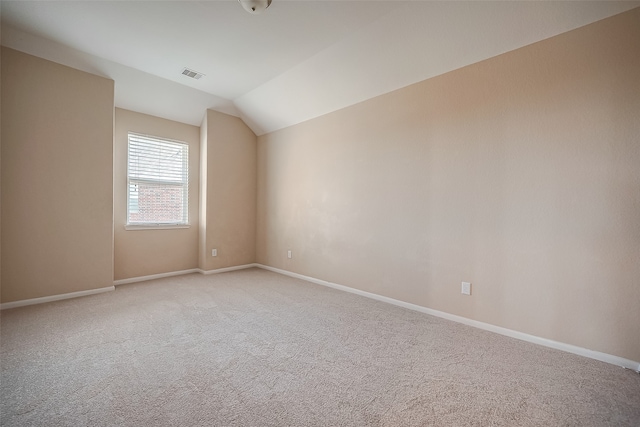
<point x="157" y="181"/>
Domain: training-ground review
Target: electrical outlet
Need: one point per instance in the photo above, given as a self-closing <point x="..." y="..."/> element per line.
<point x="289" y="254"/>
<point x="214" y="252"/>
<point x="466" y="288"/>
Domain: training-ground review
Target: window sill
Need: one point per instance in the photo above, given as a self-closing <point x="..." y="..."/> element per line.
<point x="138" y="227"/>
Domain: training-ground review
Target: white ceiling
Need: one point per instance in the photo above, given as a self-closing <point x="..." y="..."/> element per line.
<point x="297" y="60"/>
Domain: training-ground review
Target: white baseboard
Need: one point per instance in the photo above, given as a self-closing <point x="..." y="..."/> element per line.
<point x="225" y="269"/>
<point x="180" y="273"/>
<point x="42" y="300"/>
<point x="32" y="301"/>
<point x="155" y="276"/>
<point x="592" y="354"/>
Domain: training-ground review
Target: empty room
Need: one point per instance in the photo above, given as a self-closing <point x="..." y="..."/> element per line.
<point x="320" y="213"/>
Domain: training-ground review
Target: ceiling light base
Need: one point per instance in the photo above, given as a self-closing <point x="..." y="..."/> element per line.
<point x="255" y="6"/>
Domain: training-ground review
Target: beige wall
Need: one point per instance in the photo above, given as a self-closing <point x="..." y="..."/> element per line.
<point x="0" y="176"/>
<point x="229" y="203"/>
<point x="520" y="174"/>
<point x="202" y="208"/>
<point x="57" y="163"/>
<point x="153" y="251"/>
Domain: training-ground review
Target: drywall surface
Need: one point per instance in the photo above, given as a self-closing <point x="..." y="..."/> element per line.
<point x="229" y="202"/>
<point x="519" y="174"/>
<point x="57" y="179"/>
<point x="0" y="175"/>
<point x="202" y="202"/>
<point x="153" y="251"/>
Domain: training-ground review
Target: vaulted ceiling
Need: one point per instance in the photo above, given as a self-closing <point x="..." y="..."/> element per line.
<point x="296" y="61"/>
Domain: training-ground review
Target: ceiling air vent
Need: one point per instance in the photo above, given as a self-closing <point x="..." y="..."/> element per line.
<point x="193" y="74"/>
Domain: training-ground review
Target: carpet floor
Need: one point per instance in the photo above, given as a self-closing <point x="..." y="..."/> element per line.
<point x="255" y="348"/>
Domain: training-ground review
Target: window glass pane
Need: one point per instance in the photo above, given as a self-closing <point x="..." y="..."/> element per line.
<point x="158" y="203"/>
<point x="158" y="181"/>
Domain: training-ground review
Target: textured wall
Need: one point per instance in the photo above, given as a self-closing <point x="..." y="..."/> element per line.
<point x="229" y="184"/>
<point x="57" y="178"/>
<point x="519" y="174"/>
<point x="145" y="252"/>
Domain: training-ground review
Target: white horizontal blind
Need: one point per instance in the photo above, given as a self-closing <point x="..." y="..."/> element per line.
<point x="158" y="181"/>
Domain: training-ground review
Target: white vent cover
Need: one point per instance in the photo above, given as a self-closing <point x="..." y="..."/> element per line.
<point x="193" y="74"/>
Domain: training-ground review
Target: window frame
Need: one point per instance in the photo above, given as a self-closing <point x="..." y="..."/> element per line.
<point x="184" y="184"/>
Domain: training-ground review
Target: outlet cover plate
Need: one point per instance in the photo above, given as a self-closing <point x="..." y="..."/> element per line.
<point x="466" y="288"/>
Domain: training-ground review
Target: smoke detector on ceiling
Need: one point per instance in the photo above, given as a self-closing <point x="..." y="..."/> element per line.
<point x="193" y="74"/>
<point x="255" y="6"/>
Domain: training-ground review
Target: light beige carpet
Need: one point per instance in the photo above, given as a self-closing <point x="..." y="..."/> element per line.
<point x="254" y="348"/>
